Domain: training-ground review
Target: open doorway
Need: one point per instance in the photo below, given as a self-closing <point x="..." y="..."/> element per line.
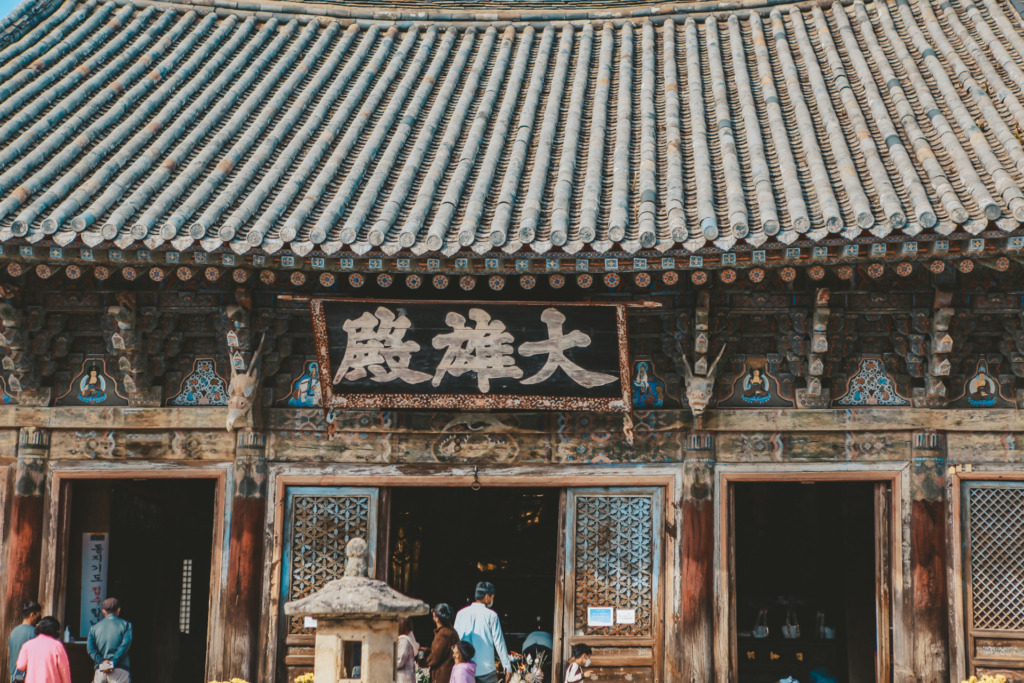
<point x="156" y="538"/>
<point x="805" y="573"/>
<point x="442" y="541"/>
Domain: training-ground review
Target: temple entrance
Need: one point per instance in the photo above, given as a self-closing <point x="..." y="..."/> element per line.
<point x="805" y="581"/>
<point x="154" y="538"/>
<point x="578" y="564"/>
<point x="442" y="541"/>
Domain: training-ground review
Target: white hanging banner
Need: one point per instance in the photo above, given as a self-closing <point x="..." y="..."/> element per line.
<point x="95" y="558"/>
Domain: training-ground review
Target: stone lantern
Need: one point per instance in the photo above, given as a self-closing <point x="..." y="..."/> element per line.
<point x="357" y="623"/>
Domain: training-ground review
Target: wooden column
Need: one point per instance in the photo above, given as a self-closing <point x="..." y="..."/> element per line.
<point x="928" y="558"/>
<point x="25" y="533"/>
<point x="698" y="547"/>
<point x="245" y="560"/>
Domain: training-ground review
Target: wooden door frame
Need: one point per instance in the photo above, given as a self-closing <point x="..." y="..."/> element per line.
<point x="56" y="522"/>
<point x="281" y="475"/>
<point x="726" y="474"/>
<point x="955" y="568"/>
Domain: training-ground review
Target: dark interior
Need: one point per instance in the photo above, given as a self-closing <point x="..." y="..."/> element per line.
<point x="808" y="546"/>
<point x="155" y="527"/>
<point x="444" y="540"/>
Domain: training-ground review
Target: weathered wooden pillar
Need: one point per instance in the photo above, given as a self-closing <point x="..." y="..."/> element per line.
<point x="245" y="558"/>
<point x="698" y="548"/>
<point x="928" y="558"/>
<point x="25" y="532"/>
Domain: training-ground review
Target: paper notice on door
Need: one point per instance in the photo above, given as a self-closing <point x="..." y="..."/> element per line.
<point x="309" y="622"/>
<point x="625" y="616"/>
<point x="598" y="617"/>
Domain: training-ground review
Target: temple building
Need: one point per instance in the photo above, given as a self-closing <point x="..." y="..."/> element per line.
<point x="695" y="327"/>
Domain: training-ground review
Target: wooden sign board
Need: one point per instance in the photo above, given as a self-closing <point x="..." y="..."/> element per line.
<point x="471" y="355"/>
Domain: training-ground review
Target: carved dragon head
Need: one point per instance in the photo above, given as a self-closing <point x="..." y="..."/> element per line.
<point x="699" y="388"/>
<point x="242" y="389"/>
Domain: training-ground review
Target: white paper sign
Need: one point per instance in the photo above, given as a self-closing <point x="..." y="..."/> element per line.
<point x="95" y="555"/>
<point x="600" y="617"/>
<point x="309" y="622"/>
<point x="625" y="616"/>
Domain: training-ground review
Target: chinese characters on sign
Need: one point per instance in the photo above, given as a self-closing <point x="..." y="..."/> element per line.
<point x="95" y="552"/>
<point x="389" y="354"/>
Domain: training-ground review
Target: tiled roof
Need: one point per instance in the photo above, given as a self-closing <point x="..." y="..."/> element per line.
<point x="160" y="127"/>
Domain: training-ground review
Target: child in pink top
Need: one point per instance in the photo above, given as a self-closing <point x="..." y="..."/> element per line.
<point x="464" y="670"/>
<point x="43" y="659"/>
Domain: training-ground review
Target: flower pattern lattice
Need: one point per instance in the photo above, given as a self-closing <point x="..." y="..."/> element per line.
<point x="871" y="386"/>
<point x="614" y="561"/>
<point x="203" y="387"/>
<point x="321" y="528"/>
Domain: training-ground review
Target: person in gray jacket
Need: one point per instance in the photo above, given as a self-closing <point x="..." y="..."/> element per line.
<point x="109" y="641"/>
<point x="22" y="633"/>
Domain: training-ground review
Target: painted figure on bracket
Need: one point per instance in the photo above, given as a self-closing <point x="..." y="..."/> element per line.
<point x="306" y="391"/>
<point x="93" y="387"/>
<point x="755" y="387"/>
<point x="648" y="390"/>
<point x="981" y="389"/>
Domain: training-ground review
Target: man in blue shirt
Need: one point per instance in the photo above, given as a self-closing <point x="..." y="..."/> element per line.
<point x="22" y="633"/>
<point x="109" y="640"/>
<point x="479" y="624"/>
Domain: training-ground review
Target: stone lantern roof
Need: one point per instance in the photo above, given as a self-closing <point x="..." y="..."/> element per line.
<point x="355" y="595"/>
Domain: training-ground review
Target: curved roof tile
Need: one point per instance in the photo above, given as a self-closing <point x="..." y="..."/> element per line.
<point x="160" y="127"/>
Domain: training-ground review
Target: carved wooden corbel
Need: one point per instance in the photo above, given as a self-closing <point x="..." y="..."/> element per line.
<point x="815" y="395"/>
<point x="127" y="329"/>
<point x="939" y="344"/>
<point x="245" y="367"/>
<point x="699" y="378"/>
<point x="20" y="360"/>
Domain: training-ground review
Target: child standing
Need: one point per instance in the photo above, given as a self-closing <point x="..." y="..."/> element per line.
<point x="464" y="670"/>
<point x="580" y="660"/>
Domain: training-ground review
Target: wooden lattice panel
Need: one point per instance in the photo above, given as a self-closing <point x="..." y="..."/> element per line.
<point x="321" y="527"/>
<point x="614" y="557"/>
<point x="996" y="533"/>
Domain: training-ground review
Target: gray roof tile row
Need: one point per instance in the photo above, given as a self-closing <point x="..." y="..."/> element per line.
<point x="161" y="127"/>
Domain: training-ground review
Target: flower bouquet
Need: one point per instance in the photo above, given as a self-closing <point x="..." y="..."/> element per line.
<point x="987" y="678"/>
<point x="527" y="668"/>
<point x="422" y="675"/>
<point x="304" y="678"/>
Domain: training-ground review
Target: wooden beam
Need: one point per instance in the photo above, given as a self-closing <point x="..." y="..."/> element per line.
<point x="25" y="535"/>
<point x="698" y="546"/>
<point x="68" y="417"/>
<point x="928" y="559"/>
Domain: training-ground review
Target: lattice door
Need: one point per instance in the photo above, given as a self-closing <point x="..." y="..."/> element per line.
<point x="613" y="568"/>
<point x="994" y="575"/>
<point x="319" y="522"/>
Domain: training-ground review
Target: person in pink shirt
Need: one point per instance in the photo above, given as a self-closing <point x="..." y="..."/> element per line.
<point x="464" y="670"/>
<point x="43" y="659"/>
